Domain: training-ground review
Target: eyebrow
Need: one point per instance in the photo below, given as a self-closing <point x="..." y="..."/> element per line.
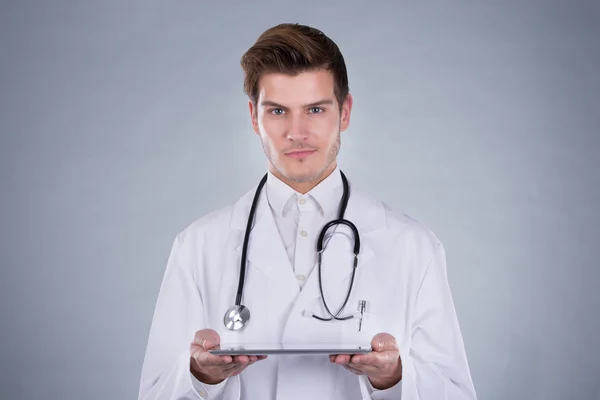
<point x="267" y="103"/>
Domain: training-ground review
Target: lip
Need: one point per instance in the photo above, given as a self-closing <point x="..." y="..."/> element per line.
<point x="300" y="154"/>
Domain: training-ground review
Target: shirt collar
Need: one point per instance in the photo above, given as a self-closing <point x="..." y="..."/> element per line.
<point x="327" y="194"/>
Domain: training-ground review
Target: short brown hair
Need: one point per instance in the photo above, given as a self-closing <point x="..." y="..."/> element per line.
<point x="292" y="49"/>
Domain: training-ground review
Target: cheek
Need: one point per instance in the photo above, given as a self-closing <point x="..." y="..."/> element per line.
<point x="272" y="127"/>
<point x="323" y="127"/>
<point x="273" y="133"/>
<point x="273" y="142"/>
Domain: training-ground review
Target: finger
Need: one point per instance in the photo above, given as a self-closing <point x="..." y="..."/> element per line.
<point x="228" y="370"/>
<point x="334" y="358"/>
<point x="241" y="359"/>
<point x="238" y="370"/>
<point x="365" y="368"/>
<point x="203" y="357"/>
<point x="196" y="352"/>
<point x="342" y="359"/>
<point x="371" y="370"/>
<point x="225" y="369"/>
<point x="383" y="342"/>
<point x="371" y="358"/>
<point x="234" y="367"/>
<point x="250" y="359"/>
<point x="258" y="358"/>
<point x="207" y="338"/>
<point x="356" y="371"/>
<point x="380" y="359"/>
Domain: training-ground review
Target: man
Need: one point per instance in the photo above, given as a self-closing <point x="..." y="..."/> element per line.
<point x="299" y="103"/>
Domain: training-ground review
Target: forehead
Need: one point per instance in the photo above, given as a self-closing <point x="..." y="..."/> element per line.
<point x="304" y="88"/>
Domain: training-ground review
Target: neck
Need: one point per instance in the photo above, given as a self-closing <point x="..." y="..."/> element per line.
<point x="304" y="187"/>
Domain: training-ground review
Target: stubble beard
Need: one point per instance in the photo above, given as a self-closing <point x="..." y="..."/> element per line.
<point x="331" y="157"/>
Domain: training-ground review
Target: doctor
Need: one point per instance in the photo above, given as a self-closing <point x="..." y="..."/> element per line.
<point x="299" y="103"/>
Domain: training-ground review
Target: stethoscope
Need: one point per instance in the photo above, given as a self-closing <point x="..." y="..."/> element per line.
<point x="238" y="316"/>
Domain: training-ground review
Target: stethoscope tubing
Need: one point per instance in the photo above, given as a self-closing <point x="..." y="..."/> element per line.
<point x="238" y="297"/>
<point x="320" y="250"/>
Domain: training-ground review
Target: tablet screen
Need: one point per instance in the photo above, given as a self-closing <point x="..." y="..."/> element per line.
<point x="256" y="349"/>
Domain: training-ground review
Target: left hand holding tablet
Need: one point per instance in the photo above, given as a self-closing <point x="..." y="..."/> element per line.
<point x="382" y="365"/>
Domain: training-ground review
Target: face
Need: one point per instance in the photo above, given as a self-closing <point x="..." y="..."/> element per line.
<point x="299" y="121"/>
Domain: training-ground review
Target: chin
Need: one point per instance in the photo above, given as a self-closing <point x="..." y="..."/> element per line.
<point x="302" y="178"/>
<point x="303" y="175"/>
<point x="301" y="171"/>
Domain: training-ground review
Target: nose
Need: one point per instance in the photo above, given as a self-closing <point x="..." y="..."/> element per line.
<point x="297" y="130"/>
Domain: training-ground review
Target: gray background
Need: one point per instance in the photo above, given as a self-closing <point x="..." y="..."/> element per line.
<point x="122" y="122"/>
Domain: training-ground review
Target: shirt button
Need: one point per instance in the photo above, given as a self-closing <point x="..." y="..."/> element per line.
<point x="302" y="201"/>
<point x="303" y="233"/>
<point x="301" y="277"/>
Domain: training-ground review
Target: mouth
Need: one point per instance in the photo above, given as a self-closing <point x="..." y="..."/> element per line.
<point x="300" y="153"/>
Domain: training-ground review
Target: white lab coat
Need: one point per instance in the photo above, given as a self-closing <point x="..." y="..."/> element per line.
<point x="401" y="274"/>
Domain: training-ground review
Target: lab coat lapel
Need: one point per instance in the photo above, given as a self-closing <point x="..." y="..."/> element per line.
<point x="265" y="248"/>
<point x="368" y="217"/>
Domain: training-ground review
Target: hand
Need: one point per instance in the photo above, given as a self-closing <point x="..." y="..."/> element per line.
<point x="382" y="365"/>
<point x="211" y="369"/>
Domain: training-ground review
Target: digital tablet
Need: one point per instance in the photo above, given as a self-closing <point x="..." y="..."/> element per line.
<point x="260" y="349"/>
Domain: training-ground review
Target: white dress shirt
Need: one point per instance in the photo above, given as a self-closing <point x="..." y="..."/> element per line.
<point x="299" y="219"/>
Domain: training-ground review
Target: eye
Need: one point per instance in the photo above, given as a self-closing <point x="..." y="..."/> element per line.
<point x="276" y="111"/>
<point x="316" y="110"/>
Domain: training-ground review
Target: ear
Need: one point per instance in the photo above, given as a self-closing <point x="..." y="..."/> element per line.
<point x="253" y="116"/>
<point x="345" y="114"/>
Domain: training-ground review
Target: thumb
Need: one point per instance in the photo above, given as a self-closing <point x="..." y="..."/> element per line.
<point x="383" y="342"/>
<point x="207" y="339"/>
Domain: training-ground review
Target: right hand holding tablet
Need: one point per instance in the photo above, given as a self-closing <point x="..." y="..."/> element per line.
<point x="211" y="369"/>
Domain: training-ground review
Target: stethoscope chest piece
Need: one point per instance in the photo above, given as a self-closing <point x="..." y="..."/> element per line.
<point x="236" y="318"/>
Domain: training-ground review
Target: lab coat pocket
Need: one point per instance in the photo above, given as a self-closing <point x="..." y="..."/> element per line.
<point x="318" y="331"/>
<point x="362" y="329"/>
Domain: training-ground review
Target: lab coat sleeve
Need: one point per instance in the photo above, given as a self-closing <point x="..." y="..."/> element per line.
<point x="435" y="366"/>
<point x="370" y="393"/>
<point x="178" y="314"/>
<point x="209" y="391"/>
